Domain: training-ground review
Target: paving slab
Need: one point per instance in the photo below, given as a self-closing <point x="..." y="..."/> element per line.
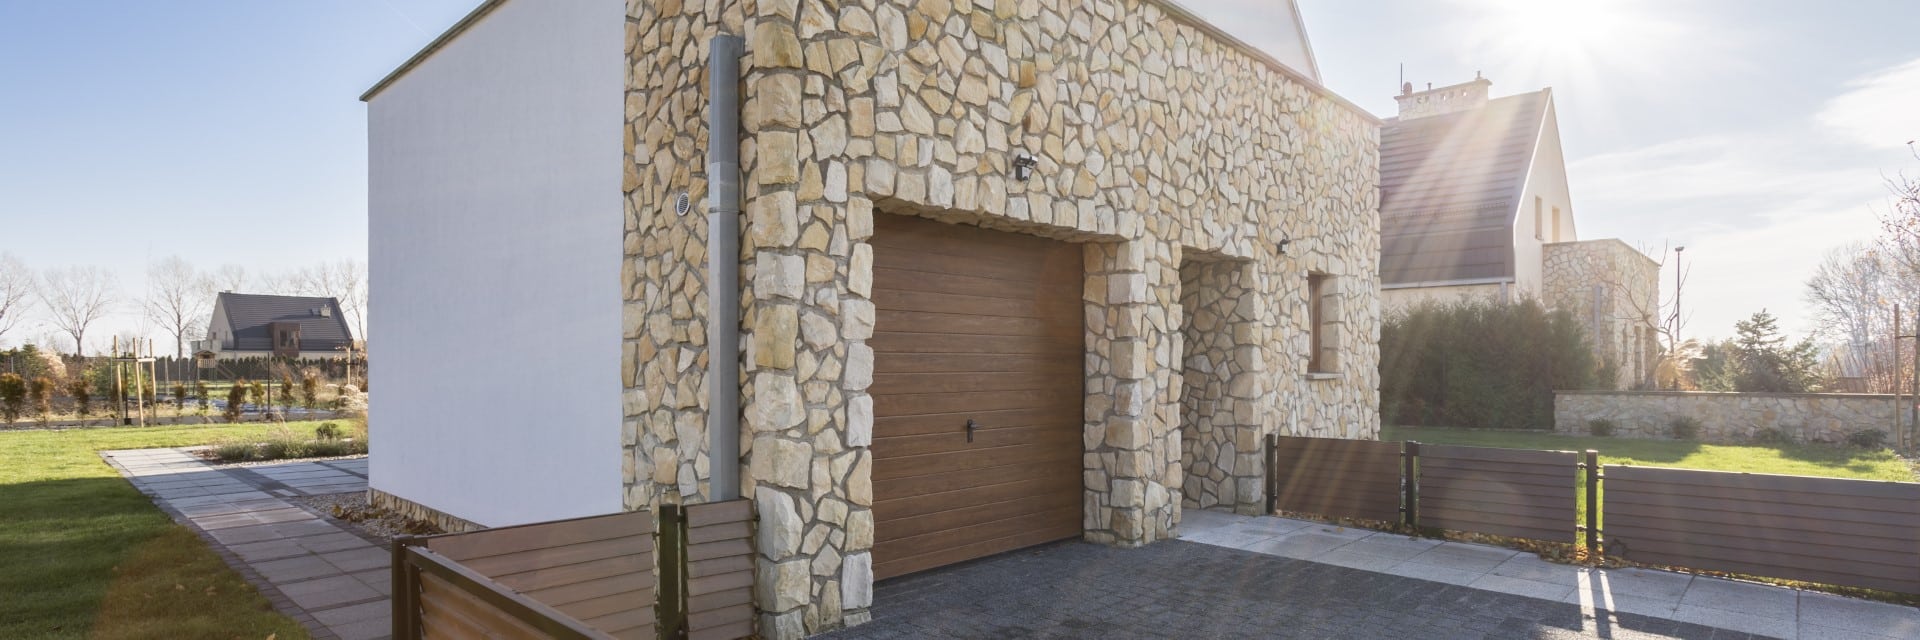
<point x="312" y="568"/>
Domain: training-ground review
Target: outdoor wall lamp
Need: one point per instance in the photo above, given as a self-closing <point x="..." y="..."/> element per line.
<point x="1284" y="241"/>
<point x="1023" y="165"/>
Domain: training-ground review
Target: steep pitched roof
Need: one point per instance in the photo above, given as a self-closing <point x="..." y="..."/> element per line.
<point x="251" y="314"/>
<point x="1450" y="186"/>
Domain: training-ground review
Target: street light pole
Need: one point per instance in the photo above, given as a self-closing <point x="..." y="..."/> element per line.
<point x="1676" y="294"/>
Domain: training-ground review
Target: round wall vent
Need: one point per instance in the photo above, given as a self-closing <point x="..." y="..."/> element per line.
<point x="682" y="204"/>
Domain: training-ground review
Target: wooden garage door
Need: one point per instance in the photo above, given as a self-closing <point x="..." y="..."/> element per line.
<point x="984" y="326"/>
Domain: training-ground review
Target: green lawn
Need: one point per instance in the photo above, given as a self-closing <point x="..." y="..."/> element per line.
<point x="82" y="554"/>
<point x="1799" y="460"/>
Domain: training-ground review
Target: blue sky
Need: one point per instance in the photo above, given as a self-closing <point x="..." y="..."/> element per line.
<point x="1754" y="132"/>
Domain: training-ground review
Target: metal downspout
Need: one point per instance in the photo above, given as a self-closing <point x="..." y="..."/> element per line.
<point x="723" y="266"/>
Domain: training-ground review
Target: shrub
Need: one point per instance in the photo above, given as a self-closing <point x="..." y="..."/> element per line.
<point x="286" y="396"/>
<point x="1772" y="436"/>
<point x="82" y="393"/>
<point x="13" y="396"/>
<point x="179" y="395"/>
<point x="236" y="398"/>
<point x="1601" y="427"/>
<point x="1684" y="428"/>
<point x="327" y="431"/>
<point x="200" y="390"/>
<point x="234" y="451"/>
<point x="310" y="387"/>
<point x="1480" y="363"/>
<point x="40" y="397"/>
<point x="260" y="396"/>
<point x="1868" y="439"/>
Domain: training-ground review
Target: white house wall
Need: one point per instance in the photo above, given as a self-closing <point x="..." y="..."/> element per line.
<point x="495" y="222"/>
<point x="1546" y="180"/>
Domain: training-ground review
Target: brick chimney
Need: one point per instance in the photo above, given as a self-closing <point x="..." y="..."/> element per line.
<point x="1432" y="102"/>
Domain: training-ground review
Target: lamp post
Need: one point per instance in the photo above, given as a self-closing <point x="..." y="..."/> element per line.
<point x="1676" y="294"/>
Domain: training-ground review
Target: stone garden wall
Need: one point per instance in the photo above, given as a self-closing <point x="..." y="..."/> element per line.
<point x="1725" y="417"/>
<point x="1158" y="140"/>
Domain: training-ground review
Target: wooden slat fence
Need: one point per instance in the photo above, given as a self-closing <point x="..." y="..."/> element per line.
<point x="1505" y="492"/>
<point x="1334" y="477"/>
<point x="719" y="561"/>
<point x="580" y="578"/>
<point x="1856" y="533"/>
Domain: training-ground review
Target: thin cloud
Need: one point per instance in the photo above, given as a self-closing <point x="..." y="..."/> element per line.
<point x="1880" y="109"/>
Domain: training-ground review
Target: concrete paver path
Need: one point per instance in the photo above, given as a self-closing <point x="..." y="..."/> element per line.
<point x="314" y="570"/>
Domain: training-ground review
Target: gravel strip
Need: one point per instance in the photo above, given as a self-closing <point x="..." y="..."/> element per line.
<point x="353" y="510"/>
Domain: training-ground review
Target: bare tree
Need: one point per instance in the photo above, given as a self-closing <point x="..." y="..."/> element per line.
<point x="345" y="281"/>
<point x="229" y="277"/>
<point x="177" y="300"/>
<point x="16" y="283"/>
<point x="76" y="297"/>
<point x="1853" y="291"/>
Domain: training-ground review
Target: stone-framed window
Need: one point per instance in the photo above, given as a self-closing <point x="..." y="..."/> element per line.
<point x="1323" y="323"/>
<point x="1539" y="221"/>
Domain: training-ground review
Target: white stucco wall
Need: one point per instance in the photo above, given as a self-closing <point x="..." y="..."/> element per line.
<point x="495" y="223"/>
<point x="1547" y="181"/>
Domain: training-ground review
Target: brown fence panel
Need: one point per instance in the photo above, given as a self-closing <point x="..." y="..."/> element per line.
<point x="1856" y="533"/>
<point x="1336" y="478"/>
<point x="587" y="574"/>
<point x="1504" y="492"/>
<point x="720" y="570"/>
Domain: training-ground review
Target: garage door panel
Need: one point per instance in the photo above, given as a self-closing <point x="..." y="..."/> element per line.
<point x="981" y="325"/>
<point x="1042" y="505"/>
<point x="980" y="457"/>
<point x="969" y="324"/>
<point x="895" y="567"/>
<point x="897" y="279"/>
<point x="917" y="299"/>
<point x="963" y="401"/>
<point x="991" y="363"/>
<point x="951" y="439"/>
<point x="914" y="383"/>
<point x="913" y="342"/>
<point x="945" y="423"/>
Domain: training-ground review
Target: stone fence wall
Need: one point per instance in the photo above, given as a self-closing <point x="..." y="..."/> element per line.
<point x="1725" y="417"/>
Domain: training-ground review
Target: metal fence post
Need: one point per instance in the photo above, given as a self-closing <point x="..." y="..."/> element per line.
<point x="1273" y="478"/>
<point x="670" y="608"/>
<point x="1593" y="503"/>
<point x="1410" y="493"/>
<point x="406" y="591"/>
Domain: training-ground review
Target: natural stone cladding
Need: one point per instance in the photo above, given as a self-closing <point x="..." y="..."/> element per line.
<point x="1160" y="145"/>
<point x="1613" y="290"/>
<point x="1730" y="418"/>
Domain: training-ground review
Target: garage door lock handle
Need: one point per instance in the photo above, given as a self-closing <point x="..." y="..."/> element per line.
<point x="971" y="425"/>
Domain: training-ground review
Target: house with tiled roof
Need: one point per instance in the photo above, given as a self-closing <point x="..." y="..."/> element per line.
<point x="246" y="325"/>
<point x="1474" y="203"/>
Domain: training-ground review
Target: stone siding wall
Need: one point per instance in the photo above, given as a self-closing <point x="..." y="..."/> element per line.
<point x="1725" y="417"/>
<point x="1155" y="140"/>
<point x="1614" y="291"/>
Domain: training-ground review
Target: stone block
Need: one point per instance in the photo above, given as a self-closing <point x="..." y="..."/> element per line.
<point x="778" y="536"/>
<point x="856" y="581"/>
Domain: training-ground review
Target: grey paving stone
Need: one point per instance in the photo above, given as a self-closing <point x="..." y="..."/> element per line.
<point x="1645" y="583"/>
<point x="294" y="569"/>
<point x="1523" y="587"/>
<point x="1599" y="598"/>
<point x="328" y="592"/>
<point x="1742" y="597"/>
<point x="1849" y="614"/>
<point x="1435" y="573"/>
<point x="1817" y="632"/>
<point x="1464" y="557"/>
<point x="1742" y="622"/>
<point x="267" y="550"/>
<point x="353" y="560"/>
<point x="1527" y="566"/>
<point x="1392" y="546"/>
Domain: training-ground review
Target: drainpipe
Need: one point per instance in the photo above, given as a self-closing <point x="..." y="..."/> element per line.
<point x="723" y="266"/>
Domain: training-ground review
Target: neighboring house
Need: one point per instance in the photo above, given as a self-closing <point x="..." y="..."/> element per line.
<point x="1051" y="269"/>
<point x="246" y="325"/>
<point x="1474" y="203"/>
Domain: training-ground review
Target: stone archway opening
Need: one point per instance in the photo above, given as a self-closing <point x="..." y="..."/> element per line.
<point x="1219" y="388"/>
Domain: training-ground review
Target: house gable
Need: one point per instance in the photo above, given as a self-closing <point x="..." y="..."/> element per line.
<point x="244" y="322"/>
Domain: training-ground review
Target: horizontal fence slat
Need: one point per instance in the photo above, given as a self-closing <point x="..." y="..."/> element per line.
<point x="1760" y="509"/>
<point x="719" y="549"/>
<point x="1492" y="488"/>
<point x="717" y="566"/>
<point x="1338" y="478"/>
<point x="1525" y="474"/>
<point x="492" y="542"/>
<point x="466" y="584"/>
<point x="1843" y="487"/>
<point x="1842" y="532"/>
<point x="1666" y="531"/>
<point x="719" y="600"/>
<point x="724" y="632"/>
<point x="701" y="515"/>
<point x="717" y="532"/>
<point x="609" y="604"/>
<point x="1658" y="507"/>
<point x="1449" y="453"/>
<point x="561" y="596"/>
<point x="552" y="576"/>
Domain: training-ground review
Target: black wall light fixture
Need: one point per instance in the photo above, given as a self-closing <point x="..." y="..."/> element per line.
<point x="1284" y="241"/>
<point x="1023" y="165"/>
